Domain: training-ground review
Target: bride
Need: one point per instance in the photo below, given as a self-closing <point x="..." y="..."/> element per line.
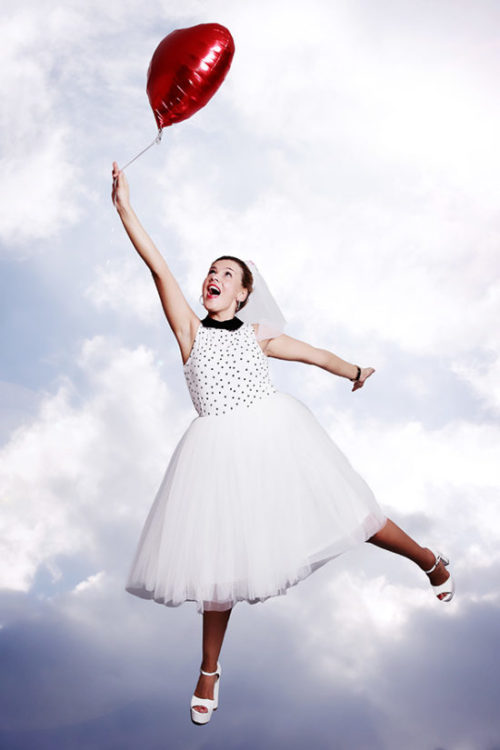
<point x="256" y="495"/>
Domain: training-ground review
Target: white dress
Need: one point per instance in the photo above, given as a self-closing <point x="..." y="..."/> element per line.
<point x="256" y="495"/>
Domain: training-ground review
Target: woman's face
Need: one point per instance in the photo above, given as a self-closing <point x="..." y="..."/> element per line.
<point x="222" y="286"/>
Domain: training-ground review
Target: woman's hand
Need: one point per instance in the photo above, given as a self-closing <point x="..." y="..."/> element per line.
<point x="365" y="373"/>
<point x="120" y="193"/>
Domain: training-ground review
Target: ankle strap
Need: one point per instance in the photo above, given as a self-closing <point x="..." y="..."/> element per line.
<point x="210" y="674"/>
<point x="438" y="560"/>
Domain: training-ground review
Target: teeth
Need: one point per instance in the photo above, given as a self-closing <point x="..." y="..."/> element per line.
<point x="213" y="290"/>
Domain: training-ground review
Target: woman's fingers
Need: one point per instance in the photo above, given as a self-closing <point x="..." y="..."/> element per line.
<point x="365" y="373"/>
<point x="116" y="176"/>
<point x="120" y="189"/>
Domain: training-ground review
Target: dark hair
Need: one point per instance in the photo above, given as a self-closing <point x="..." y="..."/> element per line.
<point x="246" y="276"/>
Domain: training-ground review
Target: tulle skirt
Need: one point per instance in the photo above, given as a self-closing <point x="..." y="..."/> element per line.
<point x="251" y="503"/>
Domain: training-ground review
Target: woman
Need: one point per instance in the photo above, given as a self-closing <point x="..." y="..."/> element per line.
<point x="256" y="495"/>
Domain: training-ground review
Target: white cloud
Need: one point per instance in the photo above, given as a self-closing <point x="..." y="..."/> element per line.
<point x="80" y="464"/>
<point x="416" y="456"/>
<point x="382" y="609"/>
<point x="39" y="179"/>
<point x="447" y="476"/>
<point x="58" y="65"/>
<point x="398" y="275"/>
<point x="483" y="378"/>
<point x="117" y="285"/>
<point x="89" y="583"/>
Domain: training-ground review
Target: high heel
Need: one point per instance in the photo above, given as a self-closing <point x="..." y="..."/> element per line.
<point x="211" y="704"/>
<point x="448" y="587"/>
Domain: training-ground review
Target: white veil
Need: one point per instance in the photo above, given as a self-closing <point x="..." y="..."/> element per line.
<point x="262" y="308"/>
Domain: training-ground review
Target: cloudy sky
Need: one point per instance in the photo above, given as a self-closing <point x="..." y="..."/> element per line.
<point x="352" y="153"/>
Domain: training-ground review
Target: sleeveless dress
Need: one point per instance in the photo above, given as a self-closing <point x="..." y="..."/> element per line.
<point x="256" y="495"/>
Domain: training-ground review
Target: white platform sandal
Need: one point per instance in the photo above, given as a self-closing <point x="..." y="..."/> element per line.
<point x="448" y="587"/>
<point x="210" y="704"/>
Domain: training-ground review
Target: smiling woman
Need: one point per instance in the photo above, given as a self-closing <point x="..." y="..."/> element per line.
<point x="256" y="495"/>
<point x="226" y="276"/>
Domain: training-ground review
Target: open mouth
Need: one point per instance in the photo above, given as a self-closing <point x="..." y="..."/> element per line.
<point x="213" y="291"/>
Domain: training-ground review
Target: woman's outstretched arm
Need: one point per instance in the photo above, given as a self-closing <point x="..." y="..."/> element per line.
<point x="285" y="347"/>
<point x="182" y="319"/>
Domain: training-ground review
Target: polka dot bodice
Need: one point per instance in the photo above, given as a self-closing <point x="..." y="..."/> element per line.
<point x="226" y="370"/>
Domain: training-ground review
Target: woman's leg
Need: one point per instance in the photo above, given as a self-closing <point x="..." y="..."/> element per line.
<point x="214" y="628"/>
<point x="394" y="539"/>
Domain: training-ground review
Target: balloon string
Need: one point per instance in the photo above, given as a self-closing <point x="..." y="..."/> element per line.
<point x="156" y="140"/>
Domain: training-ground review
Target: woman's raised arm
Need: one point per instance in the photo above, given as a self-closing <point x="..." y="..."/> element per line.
<point x="285" y="347"/>
<point x="182" y="319"/>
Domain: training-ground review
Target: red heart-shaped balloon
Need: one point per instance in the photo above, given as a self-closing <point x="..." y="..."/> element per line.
<point x="186" y="70"/>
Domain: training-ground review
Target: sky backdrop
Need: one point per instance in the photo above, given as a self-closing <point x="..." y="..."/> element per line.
<point x="352" y="153"/>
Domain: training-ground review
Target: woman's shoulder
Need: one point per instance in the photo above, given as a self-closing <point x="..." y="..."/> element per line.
<point x="262" y="342"/>
<point x="259" y="332"/>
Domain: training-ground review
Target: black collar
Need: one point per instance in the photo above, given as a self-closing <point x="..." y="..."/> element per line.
<point x="228" y="325"/>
